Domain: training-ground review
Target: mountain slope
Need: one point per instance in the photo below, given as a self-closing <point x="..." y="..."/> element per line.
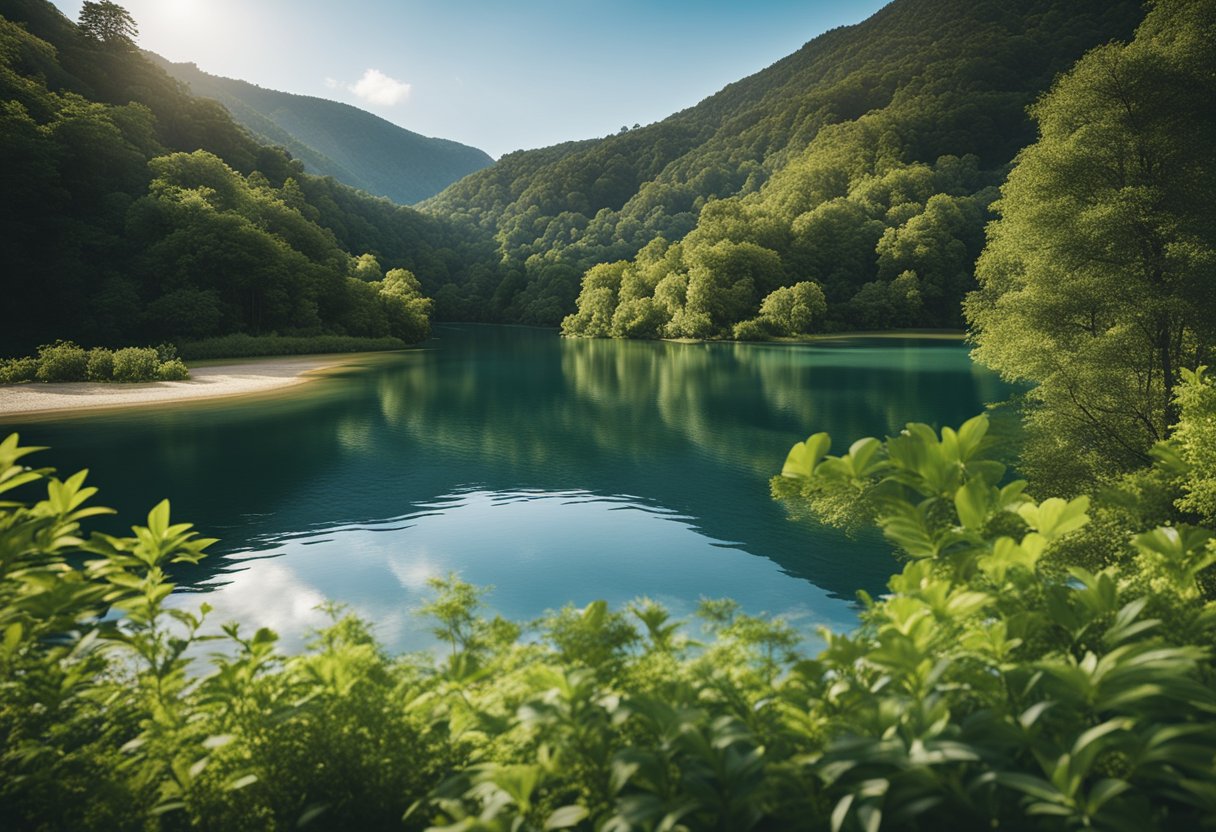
<point x="919" y="80"/>
<point x="338" y="140"/>
<point x="134" y="212"/>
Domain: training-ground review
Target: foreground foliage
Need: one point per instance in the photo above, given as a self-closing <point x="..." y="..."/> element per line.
<point x="992" y="684"/>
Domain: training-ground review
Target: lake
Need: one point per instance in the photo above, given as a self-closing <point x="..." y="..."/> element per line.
<point x="555" y="470"/>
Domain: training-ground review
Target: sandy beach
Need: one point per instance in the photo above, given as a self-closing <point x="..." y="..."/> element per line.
<point x="208" y="380"/>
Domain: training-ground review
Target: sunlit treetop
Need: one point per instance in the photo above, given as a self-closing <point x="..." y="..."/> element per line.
<point x="108" y="22"/>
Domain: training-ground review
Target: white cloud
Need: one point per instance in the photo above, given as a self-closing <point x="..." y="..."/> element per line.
<point x="377" y="88"/>
<point x="331" y="83"/>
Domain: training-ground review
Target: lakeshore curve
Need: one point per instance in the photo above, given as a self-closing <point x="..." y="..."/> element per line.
<point x="209" y="381"/>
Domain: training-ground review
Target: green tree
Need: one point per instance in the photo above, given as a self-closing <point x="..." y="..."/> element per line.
<point x="366" y="267"/>
<point x="1096" y="282"/>
<point x="596" y="302"/>
<point x="724" y="280"/>
<point x="795" y="309"/>
<point x="407" y="311"/>
<point x="108" y="23"/>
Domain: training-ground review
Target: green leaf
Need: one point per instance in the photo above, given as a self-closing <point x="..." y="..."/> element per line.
<point x="971" y="436"/>
<point x="242" y="782"/>
<point x="1103" y="792"/>
<point x="566" y="816"/>
<point x="801" y="461"/>
<point x="158" y="519"/>
<point x="1033" y="786"/>
<point x="312" y="813"/>
<point x="973" y="502"/>
<point x="1054" y="517"/>
<point x="12" y="637"/>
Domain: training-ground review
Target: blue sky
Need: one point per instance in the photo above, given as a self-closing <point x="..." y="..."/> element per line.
<point x="498" y="75"/>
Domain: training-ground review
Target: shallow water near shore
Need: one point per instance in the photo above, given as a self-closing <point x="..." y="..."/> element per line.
<point x="556" y="470"/>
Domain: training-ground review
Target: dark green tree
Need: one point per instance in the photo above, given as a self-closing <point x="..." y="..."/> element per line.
<point x="108" y="23"/>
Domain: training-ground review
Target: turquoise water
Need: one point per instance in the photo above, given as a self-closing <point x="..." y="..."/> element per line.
<point x="556" y="470"/>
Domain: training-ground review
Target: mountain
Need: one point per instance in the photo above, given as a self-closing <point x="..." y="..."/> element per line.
<point x="334" y="139"/>
<point x="797" y="173"/>
<point x="134" y="212"/>
<point x="847" y="185"/>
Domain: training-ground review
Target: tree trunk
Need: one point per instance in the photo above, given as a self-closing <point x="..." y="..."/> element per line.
<point x="1165" y="353"/>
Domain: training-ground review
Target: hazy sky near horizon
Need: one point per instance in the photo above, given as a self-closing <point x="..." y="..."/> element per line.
<point x="498" y="75"/>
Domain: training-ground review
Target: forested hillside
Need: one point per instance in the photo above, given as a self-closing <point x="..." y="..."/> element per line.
<point x="1041" y="660"/>
<point x="334" y="139"/>
<point x="135" y="212"/>
<point x="847" y="186"/>
<point x="864" y="163"/>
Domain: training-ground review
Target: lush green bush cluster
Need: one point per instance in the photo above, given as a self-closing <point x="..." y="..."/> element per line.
<point x="18" y="370"/>
<point x="992" y="686"/>
<point x="68" y="361"/>
<point x="249" y="346"/>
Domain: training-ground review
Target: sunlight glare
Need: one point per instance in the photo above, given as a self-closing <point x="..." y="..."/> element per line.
<point x="182" y="11"/>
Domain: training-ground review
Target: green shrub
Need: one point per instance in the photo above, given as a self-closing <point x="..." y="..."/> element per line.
<point x="18" y="370"/>
<point x="173" y="370"/>
<point x="62" y="361"/>
<point x="136" y="364"/>
<point x="101" y="364"/>
<point x="755" y="329"/>
<point x="166" y="352"/>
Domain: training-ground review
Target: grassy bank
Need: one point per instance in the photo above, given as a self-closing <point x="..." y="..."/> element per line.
<point x="828" y="337"/>
<point x="250" y="346"/>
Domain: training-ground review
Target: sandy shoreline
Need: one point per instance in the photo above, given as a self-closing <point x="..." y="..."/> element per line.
<point x="208" y="380"/>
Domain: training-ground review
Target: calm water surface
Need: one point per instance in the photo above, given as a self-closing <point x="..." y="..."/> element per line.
<point x="555" y="470"/>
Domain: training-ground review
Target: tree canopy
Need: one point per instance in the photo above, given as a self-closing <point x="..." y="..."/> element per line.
<point x="817" y="159"/>
<point x="107" y="22"/>
<point x="1095" y="284"/>
<point x="136" y="213"/>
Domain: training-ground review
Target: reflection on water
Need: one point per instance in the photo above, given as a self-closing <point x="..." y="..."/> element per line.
<point x="555" y="470"/>
<point x="537" y="549"/>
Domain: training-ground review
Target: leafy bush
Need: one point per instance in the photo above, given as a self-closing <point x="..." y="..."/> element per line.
<point x="101" y="364"/>
<point x="136" y="364"/>
<point x="18" y="370"/>
<point x="991" y="687"/>
<point x="62" y="361"/>
<point x="1041" y="687"/>
<point x="754" y="329"/>
<point x="249" y="346"/>
<point x="173" y="370"/>
<point x="65" y="361"/>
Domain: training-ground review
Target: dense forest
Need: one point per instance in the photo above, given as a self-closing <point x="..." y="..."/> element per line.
<point x="865" y="163"/>
<point x="338" y="140"/>
<point x="845" y="187"/>
<point x="135" y="212"/>
<point x="1042" y="661"/>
